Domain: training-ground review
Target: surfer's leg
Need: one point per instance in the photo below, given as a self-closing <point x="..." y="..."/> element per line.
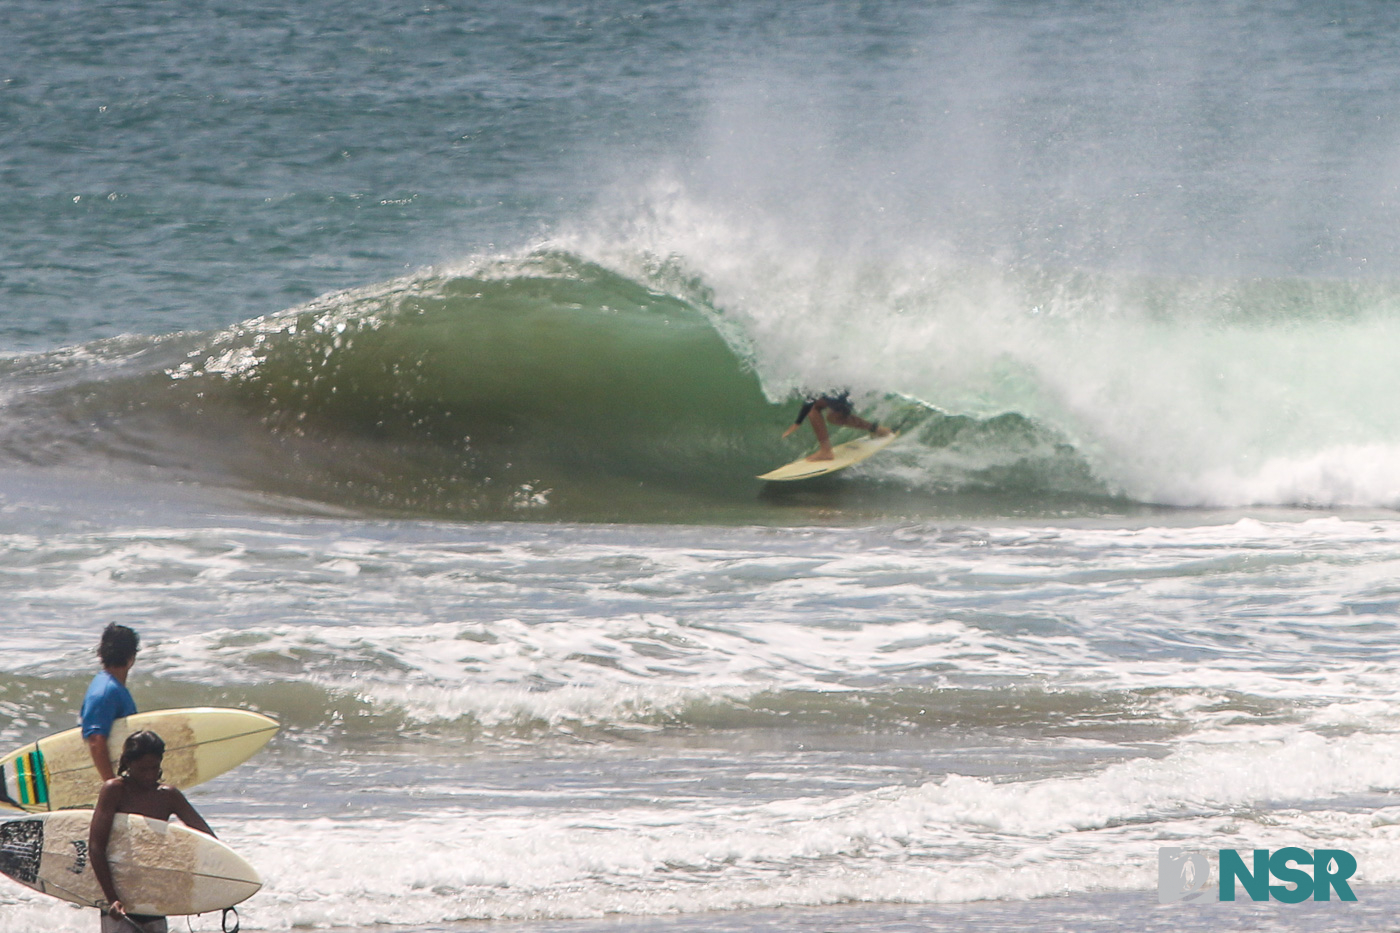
<point x="859" y="423"/>
<point x="818" y="424"/>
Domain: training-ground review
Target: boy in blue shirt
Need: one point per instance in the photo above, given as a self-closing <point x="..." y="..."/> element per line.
<point x="107" y="698"/>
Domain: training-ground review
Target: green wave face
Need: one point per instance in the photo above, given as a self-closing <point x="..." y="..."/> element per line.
<point x="549" y="388"/>
<point x="541" y="388"/>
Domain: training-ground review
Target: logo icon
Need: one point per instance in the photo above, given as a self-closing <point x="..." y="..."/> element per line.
<point x="1183" y="875"/>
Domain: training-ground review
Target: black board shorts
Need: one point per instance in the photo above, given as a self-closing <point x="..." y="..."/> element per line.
<point x="841" y="404"/>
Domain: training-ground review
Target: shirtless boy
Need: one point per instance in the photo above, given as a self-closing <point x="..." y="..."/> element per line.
<point x="135" y="789"/>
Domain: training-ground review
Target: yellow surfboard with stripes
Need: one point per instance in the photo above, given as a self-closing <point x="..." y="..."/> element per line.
<point x="56" y="772"/>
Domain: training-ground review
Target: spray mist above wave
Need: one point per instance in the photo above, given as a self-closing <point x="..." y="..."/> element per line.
<point x="1170" y="389"/>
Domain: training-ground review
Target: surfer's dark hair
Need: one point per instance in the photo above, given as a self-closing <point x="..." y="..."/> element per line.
<point x="118" y="646"/>
<point x="139" y="745"/>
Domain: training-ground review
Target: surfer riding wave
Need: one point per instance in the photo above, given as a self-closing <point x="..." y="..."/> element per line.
<point x="835" y="407"/>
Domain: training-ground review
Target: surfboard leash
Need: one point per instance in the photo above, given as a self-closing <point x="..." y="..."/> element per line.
<point x="136" y="926"/>
<point x="223" y="921"/>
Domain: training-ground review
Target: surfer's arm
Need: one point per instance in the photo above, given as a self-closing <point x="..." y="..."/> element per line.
<point x="101" y="708"/>
<point x="801" y="416"/>
<point x="99" y="834"/>
<point x="186" y="811"/>
<point x="101" y="755"/>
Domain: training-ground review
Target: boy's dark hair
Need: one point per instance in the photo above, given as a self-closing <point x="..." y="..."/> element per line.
<point x="118" y="645"/>
<point x="139" y="745"/>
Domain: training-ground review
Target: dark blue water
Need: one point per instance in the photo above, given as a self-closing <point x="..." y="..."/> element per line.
<point x="173" y="167"/>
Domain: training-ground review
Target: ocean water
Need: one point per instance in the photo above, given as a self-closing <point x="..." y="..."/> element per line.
<point x="403" y="373"/>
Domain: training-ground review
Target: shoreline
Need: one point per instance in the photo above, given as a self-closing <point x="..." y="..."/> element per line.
<point x="1376" y="908"/>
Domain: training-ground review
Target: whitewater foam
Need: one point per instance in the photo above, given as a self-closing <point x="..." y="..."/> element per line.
<point x="951" y="840"/>
<point x="1174" y="390"/>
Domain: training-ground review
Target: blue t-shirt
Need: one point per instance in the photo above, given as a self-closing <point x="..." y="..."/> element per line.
<point x="105" y="702"/>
